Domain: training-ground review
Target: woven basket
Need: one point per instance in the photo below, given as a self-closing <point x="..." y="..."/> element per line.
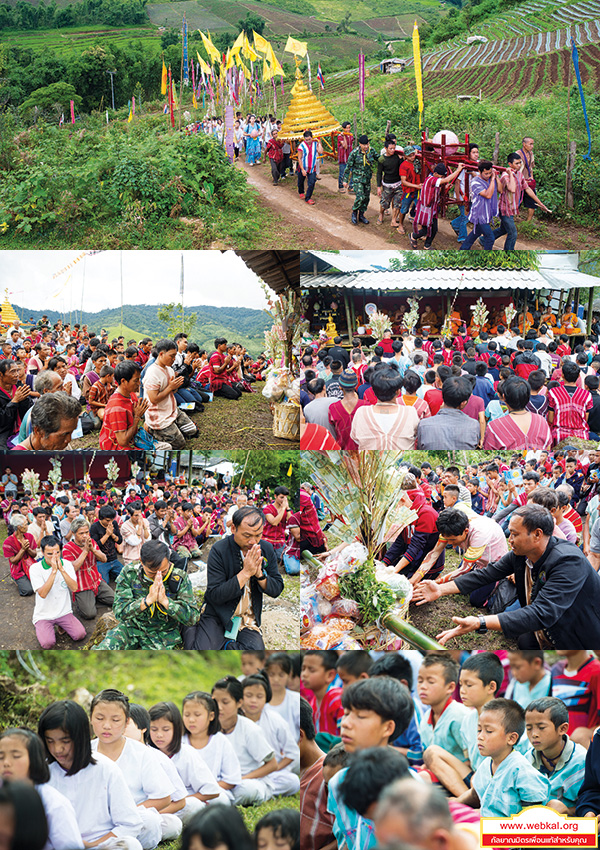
<point x="286" y="421"/>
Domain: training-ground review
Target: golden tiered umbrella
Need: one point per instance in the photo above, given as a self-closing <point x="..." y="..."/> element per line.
<point x="306" y="112"/>
<point x="8" y="312"/>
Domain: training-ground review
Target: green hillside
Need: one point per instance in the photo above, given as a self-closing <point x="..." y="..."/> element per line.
<point x="239" y="324"/>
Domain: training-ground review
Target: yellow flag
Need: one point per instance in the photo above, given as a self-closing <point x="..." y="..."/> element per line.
<point x="194" y="101"/>
<point x="276" y="68"/>
<point x="248" y="50"/>
<point x="299" y="48"/>
<point x="267" y="72"/>
<point x="212" y="51"/>
<point x="229" y="61"/>
<point x="289" y="472"/>
<point x="163" y="79"/>
<point x="175" y="101"/>
<point x="246" y="70"/>
<point x="238" y="44"/>
<point x="261" y="44"/>
<point x="418" y="73"/>
<point x="130" y="116"/>
<point x="203" y="66"/>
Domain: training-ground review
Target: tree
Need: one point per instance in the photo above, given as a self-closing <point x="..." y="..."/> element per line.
<point x="53" y="99"/>
<point x="270" y="468"/>
<point x="168" y="38"/>
<point x="344" y="24"/>
<point x="172" y="316"/>
<point x="252" y="22"/>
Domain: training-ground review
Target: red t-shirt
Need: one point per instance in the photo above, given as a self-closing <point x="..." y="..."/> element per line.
<point x="118" y="416"/>
<point x="407" y="170"/>
<point x="434" y="400"/>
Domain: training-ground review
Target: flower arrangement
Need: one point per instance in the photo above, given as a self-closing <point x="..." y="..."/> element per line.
<point x="112" y="470"/>
<point x="510" y="312"/>
<point x="412" y="317"/>
<point x="379" y="322"/>
<point x="289" y="325"/>
<point x="31" y="481"/>
<point x="55" y="474"/>
<point x="135" y="468"/>
<point x="480" y="313"/>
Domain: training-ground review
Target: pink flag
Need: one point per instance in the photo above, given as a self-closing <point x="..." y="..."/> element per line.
<point x="361" y="81"/>
<point x="72" y="112"/>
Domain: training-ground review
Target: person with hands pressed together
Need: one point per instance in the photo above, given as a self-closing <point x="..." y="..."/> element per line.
<point x="557" y="587"/>
<point x="276" y="515"/>
<point x="163" y="419"/>
<point x="106" y="533"/>
<point x="124" y="411"/>
<point x="83" y="553"/>
<point x="241" y="568"/>
<point x="15" y="401"/>
<point x="19" y="549"/>
<point x="187" y="528"/>
<point x="153" y="601"/>
<point x="53" y="581"/>
<point x="219" y="364"/>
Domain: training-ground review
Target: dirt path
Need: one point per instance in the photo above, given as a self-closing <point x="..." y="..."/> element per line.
<point x="327" y="225"/>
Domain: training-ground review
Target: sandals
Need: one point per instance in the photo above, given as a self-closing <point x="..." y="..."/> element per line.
<point x="413" y="242"/>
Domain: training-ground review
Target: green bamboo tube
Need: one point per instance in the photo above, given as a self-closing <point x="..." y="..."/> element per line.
<point x="409" y="633"/>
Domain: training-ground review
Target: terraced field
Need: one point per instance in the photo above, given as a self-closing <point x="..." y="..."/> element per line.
<point x="197" y="16"/>
<point x="71" y="40"/>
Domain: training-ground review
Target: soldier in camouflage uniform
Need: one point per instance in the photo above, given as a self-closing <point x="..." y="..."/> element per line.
<point x="359" y="169"/>
<point x="153" y="601"/>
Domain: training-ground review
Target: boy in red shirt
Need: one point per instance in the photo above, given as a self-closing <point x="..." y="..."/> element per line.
<point x="317" y="676"/>
<point x="576" y="681"/>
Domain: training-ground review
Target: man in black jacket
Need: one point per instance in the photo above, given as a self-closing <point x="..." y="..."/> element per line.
<point x="240" y="569"/>
<point x="14" y="400"/>
<point x="557" y="587"/>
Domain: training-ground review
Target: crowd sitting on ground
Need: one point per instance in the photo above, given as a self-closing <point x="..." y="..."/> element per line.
<point x="503" y="388"/>
<point x="411" y="749"/>
<point x="527" y="535"/>
<point x="67" y="545"/>
<point x="59" y="383"/>
<point x="127" y="776"/>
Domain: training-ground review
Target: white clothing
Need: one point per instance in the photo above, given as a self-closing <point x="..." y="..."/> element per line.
<point x="220" y="758"/>
<point x="125" y="843"/>
<point x="195" y="774"/>
<point x="143" y="773"/>
<point x="253" y="751"/>
<point x="179" y="792"/>
<point x="289" y="709"/>
<point x="252" y="791"/>
<point x="63" y="832"/>
<point x="101" y="799"/>
<point x="278" y="734"/>
<point x="57" y="603"/>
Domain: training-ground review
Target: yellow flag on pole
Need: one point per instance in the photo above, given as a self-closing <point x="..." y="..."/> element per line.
<point x="229" y="62"/>
<point x="203" y="66"/>
<point x="299" y="48"/>
<point x="163" y="79"/>
<point x="248" y="50"/>
<point x="276" y="68"/>
<point x="418" y="71"/>
<point x="238" y="44"/>
<point x="246" y="70"/>
<point x="289" y="472"/>
<point x="267" y="71"/>
<point x="212" y="51"/>
<point x="260" y="44"/>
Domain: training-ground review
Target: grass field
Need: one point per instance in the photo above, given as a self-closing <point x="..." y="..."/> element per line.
<point x="197" y="16"/>
<point x="74" y="39"/>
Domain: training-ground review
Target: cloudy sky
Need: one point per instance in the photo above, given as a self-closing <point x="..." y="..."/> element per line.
<point x="44" y="280"/>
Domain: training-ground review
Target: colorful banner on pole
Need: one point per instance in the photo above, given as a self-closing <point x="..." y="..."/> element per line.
<point x="72" y="112"/>
<point x="575" y="56"/>
<point x="361" y="81"/>
<point x="418" y="70"/>
<point x="186" y="74"/>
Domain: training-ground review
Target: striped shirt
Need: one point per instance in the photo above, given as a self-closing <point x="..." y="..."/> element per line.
<point x="309" y="156"/>
<point x="482" y="209"/>
<point x="511" y="201"/>
<point x="569" y="412"/>
<point x="504" y="433"/>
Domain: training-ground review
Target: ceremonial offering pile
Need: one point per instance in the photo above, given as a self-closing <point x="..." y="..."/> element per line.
<point x="345" y="597"/>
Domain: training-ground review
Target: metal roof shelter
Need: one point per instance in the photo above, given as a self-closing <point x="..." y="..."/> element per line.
<point x="356" y="273"/>
<point x="280" y="270"/>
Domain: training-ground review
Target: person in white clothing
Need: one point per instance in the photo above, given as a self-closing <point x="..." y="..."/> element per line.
<point x="54" y="581"/>
<point x="150" y="786"/>
<point x="257" y="693"/>
<point x="106" y="813"/>
<point x="200" y="714"/>
<point x="285" y="702"/>
<point x="257" y="759"/>
<point x="166" y="732"/>
<point x="23" y="759"/>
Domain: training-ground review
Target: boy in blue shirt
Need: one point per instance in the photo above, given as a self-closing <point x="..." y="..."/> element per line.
<point x="505" y="782"/>
<point x="530" y="680"/>
<point x="557" y="758"/>
<point x="398" y="667"/>
<point x="481" y="676"/>
<point x="442" y="721"/>
<point x="375" y="712"/>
